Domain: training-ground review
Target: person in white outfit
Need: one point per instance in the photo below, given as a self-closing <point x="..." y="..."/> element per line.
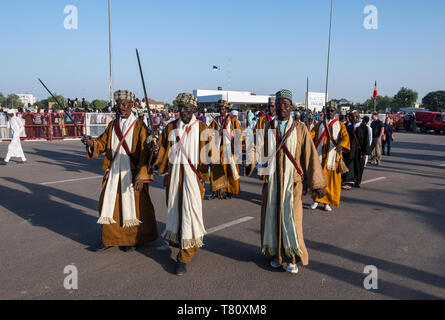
<point x="17" y="131"/>
<point x="366" y="122"/>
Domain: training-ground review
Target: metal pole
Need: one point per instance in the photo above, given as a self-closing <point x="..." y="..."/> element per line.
<point x="329" y="55"/>
<point x="111" y="55"/>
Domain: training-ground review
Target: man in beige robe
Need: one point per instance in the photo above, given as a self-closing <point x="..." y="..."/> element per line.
<point x="180" y="153"/>
<point x="292" y="158"/>
<point x="126" y="212"/>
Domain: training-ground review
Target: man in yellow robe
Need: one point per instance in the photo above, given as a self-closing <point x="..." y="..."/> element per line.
<point x="224" y="178"/>
<point x="330" y="145"/>
<point x="126" y="212"/>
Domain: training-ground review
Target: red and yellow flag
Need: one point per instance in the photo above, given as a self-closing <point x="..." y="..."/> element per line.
<point x="375" y="91"/>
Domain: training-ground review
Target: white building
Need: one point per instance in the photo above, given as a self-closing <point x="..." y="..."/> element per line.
<point x="26" y="98"/>
<point x="240" y="98"/>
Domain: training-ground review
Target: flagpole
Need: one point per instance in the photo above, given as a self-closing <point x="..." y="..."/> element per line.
<point x="111" y="55"/>
<point x="375" y="96"/>
<point x="329" y="55"/>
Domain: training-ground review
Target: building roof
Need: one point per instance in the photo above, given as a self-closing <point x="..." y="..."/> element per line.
<point x="234" y="97"/>
<point x="154" y="102"/>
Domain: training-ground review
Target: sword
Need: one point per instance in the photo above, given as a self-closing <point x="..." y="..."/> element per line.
<point x="145" y="94"/>
<point x="85" y="137"/>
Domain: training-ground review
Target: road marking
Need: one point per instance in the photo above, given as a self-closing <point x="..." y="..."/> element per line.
<point x="442" y="165"/>
<point x="229" y="224"/>
<point x="69" y="180"/>
<point x="374" y="180"/>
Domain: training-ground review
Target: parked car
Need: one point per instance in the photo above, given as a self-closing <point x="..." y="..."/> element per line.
<point x="427" y="120"/>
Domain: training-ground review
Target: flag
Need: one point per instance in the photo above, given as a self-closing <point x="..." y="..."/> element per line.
<point x="215" y="68"/>
<point x="375" y="91"/>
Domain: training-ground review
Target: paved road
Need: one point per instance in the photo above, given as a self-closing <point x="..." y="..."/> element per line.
<point x="396" y="222"/>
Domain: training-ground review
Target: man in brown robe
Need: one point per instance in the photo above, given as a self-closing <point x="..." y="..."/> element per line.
<point x="180" y="152"/>
<point x="224" y="176"/>
<point x="126" y="212"/>
<point x="292" y="160"/>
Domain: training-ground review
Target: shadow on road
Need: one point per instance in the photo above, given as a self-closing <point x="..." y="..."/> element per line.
<point x="386" y="288"/>
<point x="37" y="207"/>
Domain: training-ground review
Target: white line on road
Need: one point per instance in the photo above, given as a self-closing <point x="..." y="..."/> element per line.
<point x="373" y="180"/>
<point x="442" y="165"/>
<point x="229" y="224"/>
<point x="70" y="180"/>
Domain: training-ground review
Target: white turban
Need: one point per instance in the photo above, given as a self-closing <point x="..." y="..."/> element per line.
<point x="10" y="111"/>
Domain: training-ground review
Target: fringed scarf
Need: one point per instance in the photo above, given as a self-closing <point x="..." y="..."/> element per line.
<point x="191" y="231"/>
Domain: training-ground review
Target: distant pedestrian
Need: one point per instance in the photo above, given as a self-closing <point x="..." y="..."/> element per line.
<point x="17" y="131"/>
<point x="378" y="131"/>
<point x="388" y="137"/>
<point x="355" y="158"/>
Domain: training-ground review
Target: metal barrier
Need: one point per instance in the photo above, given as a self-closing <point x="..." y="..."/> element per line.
<point x="57" y="126"/>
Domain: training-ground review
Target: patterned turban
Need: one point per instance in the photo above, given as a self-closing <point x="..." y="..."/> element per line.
<point x="223" y="103"/>
<point x="284" y="94"/>
<point x="187" y="99"/>
<point x="124" y="95"/>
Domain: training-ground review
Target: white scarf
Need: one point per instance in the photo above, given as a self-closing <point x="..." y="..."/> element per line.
<point x="120" y="171"/>
<point x="332" y="155"/>
<point x="192" y="227"/>
<point x="227" y="147"/>
<point x="290" y="239"/>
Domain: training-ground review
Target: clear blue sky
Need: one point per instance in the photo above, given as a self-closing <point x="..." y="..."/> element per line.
<point x="270" y="45"/>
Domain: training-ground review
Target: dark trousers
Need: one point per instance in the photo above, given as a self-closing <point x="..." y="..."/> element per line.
<point x="386" y="143"/>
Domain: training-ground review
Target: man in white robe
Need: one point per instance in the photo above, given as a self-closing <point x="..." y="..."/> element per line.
<point x="17" y="131"/>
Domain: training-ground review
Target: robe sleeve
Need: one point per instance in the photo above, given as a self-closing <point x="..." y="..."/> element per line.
<point x="100" y="144"/>
<point x="145" y="165"/>
<point x="254" y="151"/>
<point x="343" y="140"/>
<point x="314" y="133"/>
<point x="310" y="162"/>
<point x="163" y="146"/>
<point x="237" y="126"/>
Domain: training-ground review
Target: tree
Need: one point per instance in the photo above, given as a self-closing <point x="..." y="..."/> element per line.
<point x="41" y="104"/>
<point x="98" y="104"/>
<point x="13" y="101"/>
<point x="55" y="105"/>
<point x="405" y="98"/>
<point x="434" y="101"/>
<point x="175" y="106"/>
<point x="168" y="106"/>
<point x="2" y="100"/>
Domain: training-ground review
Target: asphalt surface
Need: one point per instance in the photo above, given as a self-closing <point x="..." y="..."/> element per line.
<point x="395" y="222"/>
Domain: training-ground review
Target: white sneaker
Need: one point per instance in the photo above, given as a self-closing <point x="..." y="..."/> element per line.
<point x="314" y="206"/>
<point x="275" y="264"/>
<point x="327" y="208"/>
<point x="292" y="268"/>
